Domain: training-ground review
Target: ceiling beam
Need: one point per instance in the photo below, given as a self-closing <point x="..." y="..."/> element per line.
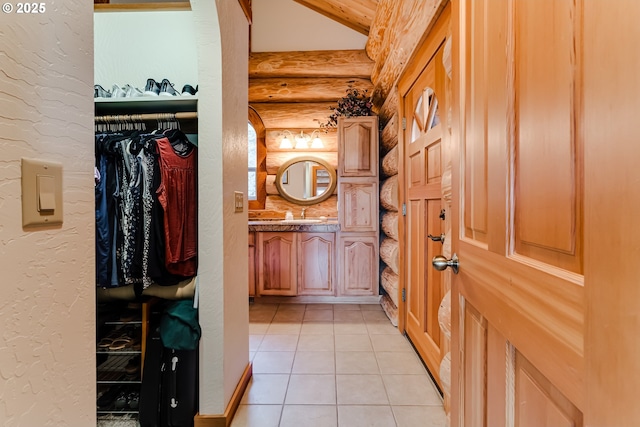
<point x="354" y="14"/>
<point x="317" y="63"/>
<point x="304" y="89"/>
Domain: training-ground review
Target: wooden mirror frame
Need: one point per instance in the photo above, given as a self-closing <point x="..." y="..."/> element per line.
<point x="313" y="200"/>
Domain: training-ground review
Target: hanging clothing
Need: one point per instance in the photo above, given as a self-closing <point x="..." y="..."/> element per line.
<point x="177" y="195"/>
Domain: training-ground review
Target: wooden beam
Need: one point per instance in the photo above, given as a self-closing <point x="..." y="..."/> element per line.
<point x="390" y="106"/>
<point x="354" y="14"/>
<point x="389" y="136"/>
<point x="274" y="136"/>
<point x="298" y="89"/>
<point x="413" y="23"/>
<point x="318" y="63"/>
<point x="303" y="115"/>
<point x="246" y="8"/>
<point x="386" y="13"/>
<point x="275" y="160"/>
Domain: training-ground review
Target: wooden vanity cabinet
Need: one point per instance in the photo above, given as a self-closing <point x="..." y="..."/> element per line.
<point x="252" y="264"/>
<point x="295" y="263"/>
<point x="277" y="263"/>
<point x="316" y="263"/>
<point x="358" y="214"/>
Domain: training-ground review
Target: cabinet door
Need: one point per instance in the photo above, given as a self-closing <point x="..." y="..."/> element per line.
<point x="277" y="263"/>
<point x="358" y="146"/>
<point x="252" y="264"/>
<point x="359" y="206"/>
<point x="316" y="259"/>
<point x="358" y="265"/>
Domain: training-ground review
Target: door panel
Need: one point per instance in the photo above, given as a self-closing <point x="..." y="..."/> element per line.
<point x="518" y="300"/>
<point x="423" y="193"/>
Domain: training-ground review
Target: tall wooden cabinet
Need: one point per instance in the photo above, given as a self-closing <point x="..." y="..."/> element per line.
<point x="358" y="206"/>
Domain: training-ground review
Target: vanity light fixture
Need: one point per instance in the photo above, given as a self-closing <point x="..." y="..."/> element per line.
<point x="302" y="141"/>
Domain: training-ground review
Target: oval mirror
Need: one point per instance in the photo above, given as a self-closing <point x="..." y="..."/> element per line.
<point x="306" y="180"/>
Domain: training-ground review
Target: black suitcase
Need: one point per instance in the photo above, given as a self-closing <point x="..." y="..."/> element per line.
<point x="169" y="391"/>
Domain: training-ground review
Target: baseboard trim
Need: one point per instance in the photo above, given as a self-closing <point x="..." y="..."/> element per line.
<point x="224" y="420"/>
<point x="317" y="299"/>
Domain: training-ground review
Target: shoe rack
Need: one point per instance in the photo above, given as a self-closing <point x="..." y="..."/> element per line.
<point x="122" y="331"/>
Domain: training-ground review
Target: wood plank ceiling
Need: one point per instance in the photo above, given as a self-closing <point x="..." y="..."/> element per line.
<point x="355" y="14"/>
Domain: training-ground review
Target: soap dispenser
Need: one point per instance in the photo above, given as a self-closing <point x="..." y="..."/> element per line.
<point x="288" y="215"/>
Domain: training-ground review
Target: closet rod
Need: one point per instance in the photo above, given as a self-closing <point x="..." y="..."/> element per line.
<point x="119" y="118"/>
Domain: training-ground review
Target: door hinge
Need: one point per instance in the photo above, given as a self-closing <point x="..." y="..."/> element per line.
<point x="404" y="123"/>
<point x="404" y="295"/>
<point x="404" y="209"/>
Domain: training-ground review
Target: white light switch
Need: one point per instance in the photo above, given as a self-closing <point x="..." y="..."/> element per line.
<point x="41" y="193"/>
<point x="45" y="185"/>
<point x="238" y="201"/>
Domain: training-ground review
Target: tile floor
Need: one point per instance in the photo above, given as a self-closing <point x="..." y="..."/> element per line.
<point x="330" y="365"/>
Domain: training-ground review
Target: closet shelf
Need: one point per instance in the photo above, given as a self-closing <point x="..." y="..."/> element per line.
<point x="142" y="105"/>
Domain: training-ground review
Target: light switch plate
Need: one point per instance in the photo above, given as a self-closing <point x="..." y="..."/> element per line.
<point x="238" y="201"/>
<point x="41" y="193"/>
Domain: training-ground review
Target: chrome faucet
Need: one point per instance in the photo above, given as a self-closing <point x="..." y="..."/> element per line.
<point x="302" y="213"/>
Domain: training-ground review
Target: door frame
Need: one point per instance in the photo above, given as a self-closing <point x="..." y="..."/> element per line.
<point x="427" y="48"/>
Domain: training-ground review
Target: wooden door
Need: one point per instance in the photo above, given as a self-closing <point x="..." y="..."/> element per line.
<point x="316" y="253"/>
<point x="422" y="175"/>
<point x="518" y="302"/>
<point x="277" y="263"/>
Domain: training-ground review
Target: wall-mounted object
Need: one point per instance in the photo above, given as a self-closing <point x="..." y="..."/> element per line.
<point x="306" y="180"/>
<point x="41" y="193"/>
<point x="303" y="141"/>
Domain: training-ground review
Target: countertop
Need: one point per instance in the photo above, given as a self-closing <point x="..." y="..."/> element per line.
<point x="330" y="226"/>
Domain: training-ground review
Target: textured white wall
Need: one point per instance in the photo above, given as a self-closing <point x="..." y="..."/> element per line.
<point x="222" y="40"/>
<point x="131" y="47"/>
<point x="284" y="25"/>
<point x="47" y="297"/>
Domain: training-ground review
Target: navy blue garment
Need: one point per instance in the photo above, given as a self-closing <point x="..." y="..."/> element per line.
<point x="103" y="240"/>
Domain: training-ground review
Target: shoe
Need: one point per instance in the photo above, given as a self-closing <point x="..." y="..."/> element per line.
<point x="152" y="88"/>
<point x="117" y="92"/>
<point x="132" y="92"/>
<point x="188" y="90"/>
<point x="107" y="398"/>
<point x="166" y="89"/>
<point x="100" y="92"/>
<point x="121" y="400"/>
<point x="133" y="400"/>
<point x="133" y="365"/>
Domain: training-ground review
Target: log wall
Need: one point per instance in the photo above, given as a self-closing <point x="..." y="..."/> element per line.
<point x="296" y="92"/>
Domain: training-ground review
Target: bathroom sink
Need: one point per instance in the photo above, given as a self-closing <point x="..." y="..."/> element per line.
<point x="300" y="221"/>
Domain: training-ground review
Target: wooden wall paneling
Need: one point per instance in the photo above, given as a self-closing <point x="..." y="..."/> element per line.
<point x="288" y="115"/>
<point x="328" y="208"/>
<point x="316" y="263"/>
<point x="389" y="194"/>
<point x="390" y="162"/>
<point x="261" y="166"/>
<point x="274" y="137"/>
<point x="358" y="265"/>
<point x="390" y="224"/>
<point x="318" y="63"/>
<point x="389" y="135"/>
<point x="304" y="89"/>
<point x="277" y="159"/>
